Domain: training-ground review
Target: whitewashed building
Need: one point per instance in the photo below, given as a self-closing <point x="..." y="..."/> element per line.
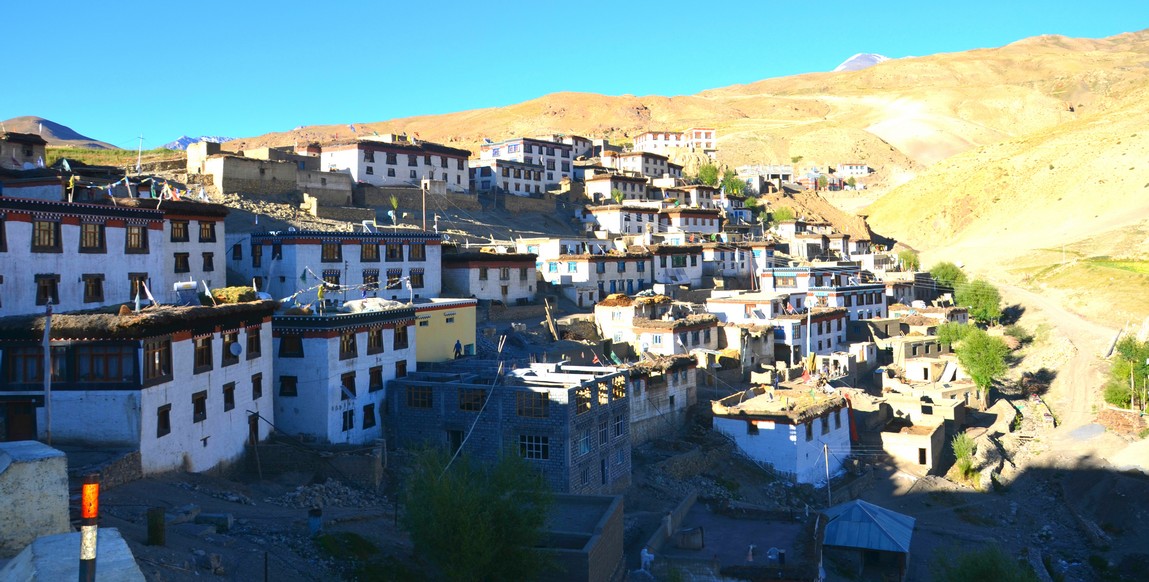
<point x="393" y="160"/>
<point x="789" y="431"/>
<point x="331" y="371"/>
<point x="679" y="264"/>
<point x="600" y="188"/>
<point x="506" y="277"/>
<point x="704" y="139"/>
<point x="727" y="260"/>
<point x="290" y="264"/>
<point x="555" y="157"/>
<point x="76" y="255"/>
<point x="690" y="221"/>
<point x="693" y="196"/>
<point x="622" y="218"/>
<point x="587" y="278"/>
<point x="639" y="163"/>
<point x="188" y="386"/>
<point x="192" y="243"/>
<point x="512" y="177"/>
<point x="824" y="326"/>
<point x="661" y="392"/>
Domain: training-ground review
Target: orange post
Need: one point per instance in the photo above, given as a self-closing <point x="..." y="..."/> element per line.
<point x="89" y="513"/>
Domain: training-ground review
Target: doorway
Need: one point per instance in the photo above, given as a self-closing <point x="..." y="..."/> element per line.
<point x="19" y="421"/>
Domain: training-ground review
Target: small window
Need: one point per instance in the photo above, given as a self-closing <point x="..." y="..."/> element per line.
<point x="228" y="396"/>
<point x="229" y="355"/>
<point x="375" y="379"/>
<point x="369" y="416"/>
<point x="534" y="447"/>
<point x="369" y="252"/>
<point x="237" y="252"/>
<point x="47" y="289"/>
<point x="394" y="252"/>
<point x="347" y="386"/>
<point x="256" y="255"/>
<point x="256" y="386"/>
<point x="206" y="231"/>
<point x="291" y="345"/>
<point x="208" y="262"/>
<point x="348" y="420"/>
<point x="419" y="397"/>
<point x="254" y="343"/>
<point x="203" y="361"/>
<point x="93" y="288"/>
<point x="809" y="431"/>
<point x="619" y="425"/>
<point x="374" y="341"/>
<point x="199" y="406"/>
<point x="136" y="241"/>
<point x="332" y="252"/>
<point x="163" y="420"/>
<point x="401" y="368"/>
<point x="401" y="337"/>
<point x="92" y="238"/>
<point x="180" y="231"/>
<point x="46" y="237"/>
<point x="471" y="399"/>
<point x="288" y="386"/>
<point x="347" y="346"/>
<point x="532" y="404"/>
<point x="157" y="359"/>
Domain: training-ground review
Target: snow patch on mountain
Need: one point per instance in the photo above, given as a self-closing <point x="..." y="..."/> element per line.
<point x="860" y="61"/>
<point x="184" y="141"/>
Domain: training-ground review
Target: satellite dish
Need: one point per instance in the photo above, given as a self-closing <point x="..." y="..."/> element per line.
<point x="235" y="349"/>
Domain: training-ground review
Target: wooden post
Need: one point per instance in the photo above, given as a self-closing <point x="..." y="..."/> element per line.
<point x="157" y="527"/>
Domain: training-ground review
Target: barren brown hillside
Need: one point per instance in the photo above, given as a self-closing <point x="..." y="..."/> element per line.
<point x="898" y="116"/>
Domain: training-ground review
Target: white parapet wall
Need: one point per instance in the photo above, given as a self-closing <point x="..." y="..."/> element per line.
<point x="33" y="494"/>
<point x="56" y="557"/>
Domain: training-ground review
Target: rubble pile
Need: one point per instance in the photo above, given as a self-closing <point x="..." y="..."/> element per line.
<point x="329" y="494"/>
<point x="224" y="495"/>
<point x="1121" y="422"/>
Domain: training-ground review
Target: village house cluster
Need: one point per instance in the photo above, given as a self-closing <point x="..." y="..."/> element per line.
<point x="352" y="337"/>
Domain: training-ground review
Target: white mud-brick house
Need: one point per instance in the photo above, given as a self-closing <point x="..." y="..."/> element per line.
<point x="645" y="164"/>
<point x="331" y="371"/>
<point x="580" y="146"/>
<point x="600" y="188"/>
<point x="820" y="331"/>
<point x="940" y="314"/>
<point x="572" y="423"/>
<point x="507" y="277"/>
<point x="395" y="264"/>
<point x="853" y="170"/>
<point x="193" y="244"/>
<point x="793" y="432"/>
<point x="615" y="315"/>
<point x="749" y="307"/>
<point x="509" y="176"/>
<point x="587" y="278"/>
<point x="554" y="157"/>
<point x="866" y="301"/>
<point x="693" y="196"/>
<point x="727" y="260"/>
<point x="689" y="225"/>
<point x="77" y="255"/>
<point x="622" y="219"/>
<point x="679" y="264"/>
<point x="704" y="139"/>
<point x="662" y="390"/>
<point x="188" y="387"/>
<point x="398" y="161"/>
<point x="678" y="336"/>
<point x="22" y="151"/>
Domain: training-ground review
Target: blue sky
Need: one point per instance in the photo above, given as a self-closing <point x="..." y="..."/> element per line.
<point x="114" y="70"/>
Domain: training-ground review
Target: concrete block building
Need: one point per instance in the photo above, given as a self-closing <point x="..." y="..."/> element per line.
<point x="507" y="277"/>
<point x="571" y="422"/>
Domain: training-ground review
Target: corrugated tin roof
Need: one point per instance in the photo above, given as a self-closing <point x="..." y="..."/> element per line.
<point x="859" y="524"/>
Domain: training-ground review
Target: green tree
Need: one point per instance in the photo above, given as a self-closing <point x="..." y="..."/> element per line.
<point x="910" y="260"/>
<point x="982" y="299"/>
<point x="1128" y="365"/>
<point x="751" y="204"/>
<point x="823" y="181"/>
<point x="617" y="195"/>
<point x="951" y="333"/>
<point x="732" y="183"/>
<point x="963" y="447"/>
<point x="783" y="213"/>
<point x="708" y="174"/>
<point x="989" y="563"/>
<point x="477" y="522"/>
<point x="795" y="159"/>
<point x="852" y="183"/>
<point x="983" y="357"/>
<point x="948" y="274"/>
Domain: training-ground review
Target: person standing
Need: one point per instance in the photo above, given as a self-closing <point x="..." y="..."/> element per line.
<point x="458" y="349"/>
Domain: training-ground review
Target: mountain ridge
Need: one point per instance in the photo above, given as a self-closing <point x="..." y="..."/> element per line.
<point x="56" y="134"/>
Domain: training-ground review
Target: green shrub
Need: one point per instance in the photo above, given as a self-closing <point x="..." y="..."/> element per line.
<point x="1019" y="333"/>
<point x="1118" y="394"/>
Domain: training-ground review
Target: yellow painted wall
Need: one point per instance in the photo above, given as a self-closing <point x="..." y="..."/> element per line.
<point x="435" y="338"/>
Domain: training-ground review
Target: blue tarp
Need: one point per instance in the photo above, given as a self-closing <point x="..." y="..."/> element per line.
<point x="859" y="524"/>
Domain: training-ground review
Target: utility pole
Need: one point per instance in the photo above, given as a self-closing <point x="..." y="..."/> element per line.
<point x="826" y="452"/>
<point x="48" y="369"/>
<point x="426" y="184"/>
<point x="139" y="155"/>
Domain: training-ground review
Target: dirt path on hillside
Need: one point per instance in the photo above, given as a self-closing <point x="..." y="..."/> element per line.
<point x="1076" y="391"/>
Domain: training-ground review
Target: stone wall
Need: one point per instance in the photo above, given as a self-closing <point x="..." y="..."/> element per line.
<point x="531" y="313"/>
<point x="330" y="188"/>
<point x="118" y="471"/>
<point x="33" y="494"/>
<point x="361" y="469"/>
<point x="411" y="200"/>
<point x="249" y="176"/>
<point x="521" y="204"/>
